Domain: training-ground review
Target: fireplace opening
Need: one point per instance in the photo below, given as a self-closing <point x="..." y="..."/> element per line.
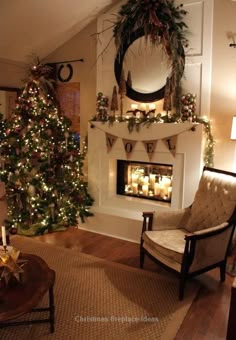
<point x="144" y="180"/>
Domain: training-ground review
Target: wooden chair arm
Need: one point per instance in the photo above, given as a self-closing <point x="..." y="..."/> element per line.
<point x="147" y="221"/>
<point x="205" y="233"/>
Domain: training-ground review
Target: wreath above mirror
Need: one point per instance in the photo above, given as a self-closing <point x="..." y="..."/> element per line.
<point x="162" y="23"/>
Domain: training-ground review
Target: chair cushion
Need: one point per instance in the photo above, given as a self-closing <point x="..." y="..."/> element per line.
<point x="214" y="202"/>
<point x="169" y="243"/>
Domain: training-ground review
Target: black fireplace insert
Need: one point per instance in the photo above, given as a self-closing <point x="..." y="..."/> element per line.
<point x="144" y="180"/>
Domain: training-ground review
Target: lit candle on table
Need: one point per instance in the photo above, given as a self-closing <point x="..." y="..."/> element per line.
<point x="146" y="180"/>
<point x="4" y="237"/>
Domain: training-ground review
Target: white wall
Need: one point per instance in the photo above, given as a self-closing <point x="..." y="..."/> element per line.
<point x="83" y="46"/>
<point x="11" y="73"/>
<point x="223" y="92"/>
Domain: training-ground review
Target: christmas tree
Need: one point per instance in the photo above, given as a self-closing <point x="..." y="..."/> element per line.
<point x="41" y="162"/>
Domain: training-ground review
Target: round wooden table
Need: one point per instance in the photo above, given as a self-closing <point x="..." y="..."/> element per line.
<point x="23" y="297"/>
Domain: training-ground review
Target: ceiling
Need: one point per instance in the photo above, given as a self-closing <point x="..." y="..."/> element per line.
<point x="40" y="26"/>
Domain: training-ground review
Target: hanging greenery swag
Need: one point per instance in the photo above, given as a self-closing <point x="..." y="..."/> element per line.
<point x="162" y="23"/>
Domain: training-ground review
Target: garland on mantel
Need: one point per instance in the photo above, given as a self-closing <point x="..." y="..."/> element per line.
<point x="134" y="123"/>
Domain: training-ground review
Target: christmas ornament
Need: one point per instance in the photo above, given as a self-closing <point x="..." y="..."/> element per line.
<point x="102" y="106"/>
<point x="188" y="106"/>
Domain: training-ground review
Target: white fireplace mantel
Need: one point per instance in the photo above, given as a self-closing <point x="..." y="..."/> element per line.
<point x="119" y="215"/>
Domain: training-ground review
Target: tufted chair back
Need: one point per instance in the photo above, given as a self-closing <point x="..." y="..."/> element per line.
<point x="214" y="202"/>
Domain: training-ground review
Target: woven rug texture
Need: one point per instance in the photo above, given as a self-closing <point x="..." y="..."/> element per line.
<point x="98" y="299"/>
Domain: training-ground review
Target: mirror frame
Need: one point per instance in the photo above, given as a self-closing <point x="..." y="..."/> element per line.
<point x="130" y="92"/>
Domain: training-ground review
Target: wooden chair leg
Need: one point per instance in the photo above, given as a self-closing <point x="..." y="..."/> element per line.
<point x="222" y="271"/>
<point x="142" y="254"/>
<point x="182" y="282"/>
<point x="51" y="309"/>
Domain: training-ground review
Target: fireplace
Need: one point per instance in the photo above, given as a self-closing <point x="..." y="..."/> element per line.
<point x="144" y="180"/>
<point x="118" y="213"/>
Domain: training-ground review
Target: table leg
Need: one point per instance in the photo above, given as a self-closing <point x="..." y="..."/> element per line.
<point x="51" y="309"/>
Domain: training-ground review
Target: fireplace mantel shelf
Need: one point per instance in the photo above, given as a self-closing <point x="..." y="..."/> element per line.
<point x="153" y="131"/>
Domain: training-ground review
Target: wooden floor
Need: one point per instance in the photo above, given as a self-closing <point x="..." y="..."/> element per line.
<point x="208" y="316"/>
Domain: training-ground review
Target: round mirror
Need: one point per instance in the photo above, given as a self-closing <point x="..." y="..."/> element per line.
<point x="146" y="67"/>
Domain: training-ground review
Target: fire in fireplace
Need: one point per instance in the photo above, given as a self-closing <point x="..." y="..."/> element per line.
<point x="144" y="180"/>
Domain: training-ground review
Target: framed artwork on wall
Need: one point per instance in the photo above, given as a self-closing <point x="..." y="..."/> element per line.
<point x="69" y="100"/>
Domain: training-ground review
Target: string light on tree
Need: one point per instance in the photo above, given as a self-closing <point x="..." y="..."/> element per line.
<point x="43" y="162"/>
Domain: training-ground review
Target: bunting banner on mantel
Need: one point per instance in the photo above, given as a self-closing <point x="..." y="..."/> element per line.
<point x="129" y="146"/>
<point x="110" y="141"/>
<point x="171" y="143"/>
<point x="150" y="146"/>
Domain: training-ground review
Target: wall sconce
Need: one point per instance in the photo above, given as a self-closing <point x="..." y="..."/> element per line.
<point x="233" y="137"/>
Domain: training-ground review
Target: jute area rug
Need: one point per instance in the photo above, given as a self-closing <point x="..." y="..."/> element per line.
<point x="97" y="299"/>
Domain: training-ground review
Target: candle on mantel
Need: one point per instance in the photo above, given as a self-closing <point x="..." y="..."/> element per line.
<point x="134" y="106"/>
<point x="152" y="106"/>
<point x="143" y="106"/>
<point x="4" y="237"/>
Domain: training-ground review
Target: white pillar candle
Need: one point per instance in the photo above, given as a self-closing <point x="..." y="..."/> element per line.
<point x="145" y="189"/>
<point x="157" y="189"/>
<point x="135" y="188"/>
<point x="152" y="106"/>
<point x="163" y="191"/>
<point x="169" y="192"/>
<point x="143" y="106"/>
<point x="166" y="181"/>
<point x="134" y="106"/>
<point x="152" y="180"/>
<point x="4" y="237"/>
<point x="134" y="178"/>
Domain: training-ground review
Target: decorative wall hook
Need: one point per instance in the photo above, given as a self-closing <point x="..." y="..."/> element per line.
<point x="68" y="78"/>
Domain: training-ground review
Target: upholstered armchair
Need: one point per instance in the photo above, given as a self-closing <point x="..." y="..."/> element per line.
<point x="196" y="239"/>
